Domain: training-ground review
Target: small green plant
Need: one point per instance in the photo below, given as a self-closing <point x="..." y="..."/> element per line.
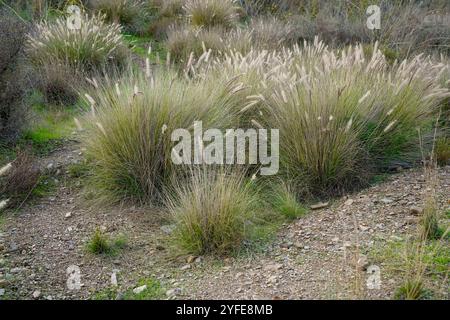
<point x="153" y="290"/>
<point x="130" y="142"/>
<point x="99" y="243"/>
<point x="212" y="211"/>
<point x="285" y="202"/>
<point x="412" y="290"/>
<point x="78" y="170"/>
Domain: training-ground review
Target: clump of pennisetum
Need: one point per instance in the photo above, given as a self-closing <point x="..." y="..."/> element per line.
<point x="90" y="45"/>
<point x="329" y="104"/>
<point x="212" y="13"/>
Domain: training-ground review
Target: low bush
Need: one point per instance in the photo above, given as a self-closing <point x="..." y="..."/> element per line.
<point x="212" y="211"/>
<point x="212" y="13"/>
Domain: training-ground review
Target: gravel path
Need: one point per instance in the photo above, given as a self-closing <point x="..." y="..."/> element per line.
<point x="312" y="258"/>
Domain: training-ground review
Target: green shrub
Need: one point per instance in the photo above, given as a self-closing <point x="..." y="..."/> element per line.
<point x="130" y="140"/>
<point x="99" y="243"/>
<point x="285" y="202"/>
<point x="212" y="13"/>
<point x="412" y="290"/>
<point x="212" y="211"/>
<point x="443" y="151"/>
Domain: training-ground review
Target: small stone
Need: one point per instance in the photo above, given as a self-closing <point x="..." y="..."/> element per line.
<point x="198" y="260"/>
<point x="68" y="215"/>
<point x="2" y="292"/>
<point x="298" y="245"/>
<point x="36" y="294"/>
<point x="140" y="289"/>
<point x="273" y="267"/>
<point x="167" y="229"/>
<point x="191" y="259"/>
<point x="319" y="205"/>
<point x="16" y="270"/>
<point x="114" y="279"/>
<point x="362" y="263"/>
<point x="349" y="202"/>
<point x="186" y="267"/>
<point x="415" y="210"/>
<point x="387" y="200"/>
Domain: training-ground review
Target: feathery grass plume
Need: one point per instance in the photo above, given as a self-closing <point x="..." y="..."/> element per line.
<point x="212" y="13"/>
<point x="212" y="210"/>
<point x="341" y="115"/>
<point x="91" y="48"/>
<point x="131" y="153"/>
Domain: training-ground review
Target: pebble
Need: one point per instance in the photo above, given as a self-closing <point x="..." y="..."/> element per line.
<point x="140" y="289"/>
<point x="349" y="202"/>
<point x="387" y="200"/>
<point x="36" y="294"/>
<point x="186" y="266"/>
<point x="319" y="205"/>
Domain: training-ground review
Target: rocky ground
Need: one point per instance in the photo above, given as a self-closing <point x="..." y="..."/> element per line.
<point x="322" y="255"/>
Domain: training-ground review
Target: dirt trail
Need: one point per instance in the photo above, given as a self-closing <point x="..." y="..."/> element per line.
<point x="310" y="259"/>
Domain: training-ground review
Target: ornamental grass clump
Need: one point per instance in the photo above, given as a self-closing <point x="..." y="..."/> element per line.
<point x="212" y="13"/>
<point x="342" y="116"/>
<point x="132" y="119"/>
<point x="212" y="211"/>
<point x="92" y="47"/>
